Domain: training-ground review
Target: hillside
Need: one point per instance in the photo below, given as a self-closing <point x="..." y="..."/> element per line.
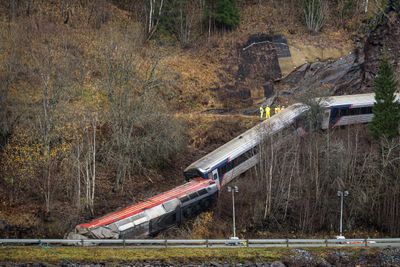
<point x="96" y="114"/>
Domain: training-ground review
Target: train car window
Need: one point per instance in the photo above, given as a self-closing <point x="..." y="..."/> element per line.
<point x="215" y="176"/>
<point x="202" y="192"/>
<point x="366" y="110"/>
<point x="193" y="195"/>
<point x="354" y="111"/>
<point x="169" y="219"/>
<point x="223" y="169"/>
<point x="245" y="156"/>
<point x="236" y="162"/>
<point x="343" y="112"/>
<point x="231" y="165"/>
<point x="256" y="149"/>
<point x="184" y="199"/>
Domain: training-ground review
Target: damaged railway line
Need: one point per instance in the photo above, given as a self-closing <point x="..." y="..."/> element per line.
<point x="209" y="174"/>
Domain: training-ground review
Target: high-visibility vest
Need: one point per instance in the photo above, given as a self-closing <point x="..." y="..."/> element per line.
<point x="261" y="112"/>
<point x="267" y="112"/>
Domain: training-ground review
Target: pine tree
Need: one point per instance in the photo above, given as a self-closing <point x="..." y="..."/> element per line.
<point x="224" y="12"/>
<point x="386" y="110"/>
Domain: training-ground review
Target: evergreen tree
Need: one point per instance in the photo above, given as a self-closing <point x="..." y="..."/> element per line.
<point x="224" y="13"/>
<point x="386" y="110"/>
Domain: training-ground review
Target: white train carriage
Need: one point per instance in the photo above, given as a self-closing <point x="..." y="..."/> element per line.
<point x="240" y="154"/>
<point x="349" y="109"/>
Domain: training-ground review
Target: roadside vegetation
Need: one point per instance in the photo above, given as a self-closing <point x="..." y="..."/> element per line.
<point x="182" y="256"/>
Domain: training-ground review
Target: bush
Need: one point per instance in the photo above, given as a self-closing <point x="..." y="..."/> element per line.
<point x="314" y="14"/>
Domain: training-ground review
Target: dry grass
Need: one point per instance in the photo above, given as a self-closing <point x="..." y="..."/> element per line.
<point x="172" y="255"/>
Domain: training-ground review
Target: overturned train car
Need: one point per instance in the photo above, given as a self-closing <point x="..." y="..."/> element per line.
<point x="153" y="215"/>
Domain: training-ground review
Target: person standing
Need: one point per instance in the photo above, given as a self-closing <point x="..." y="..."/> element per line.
<point x="261" y="112"/>
<point x="267" y="112"/>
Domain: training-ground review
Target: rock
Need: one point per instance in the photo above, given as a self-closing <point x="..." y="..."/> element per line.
<point x="269" y="101"/>
<point x="354" y="73"/>
<point x="390" y="256"/>
<point x="338" y="258"/>
<point x="302" y="257"/>
<point x="386" y="34"/>
<point x="258" y="65"/>
<point x="268" y="89"/>
<point x="340" y="76"/>
<point x="277" y="264"/>
<point x="324" y="263"/>
<point x="263" y="265"/>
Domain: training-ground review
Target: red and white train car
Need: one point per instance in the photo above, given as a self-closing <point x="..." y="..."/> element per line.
<point x="154" y="214"/>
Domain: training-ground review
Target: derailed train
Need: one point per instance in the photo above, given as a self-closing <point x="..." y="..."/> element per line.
<point x="240" y="154"/>
<point x="208" y="174"/>
<point x="153" y="215"/>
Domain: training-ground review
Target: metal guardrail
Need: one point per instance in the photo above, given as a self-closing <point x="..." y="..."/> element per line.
<point x="211" y="243"/>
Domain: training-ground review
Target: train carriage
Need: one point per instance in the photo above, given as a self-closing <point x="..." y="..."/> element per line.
<point x="240" y="154"/>
<point x="154" y="214"/>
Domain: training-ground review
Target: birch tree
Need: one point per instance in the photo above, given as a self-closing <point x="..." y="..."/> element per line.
<point x="154" y="13"/>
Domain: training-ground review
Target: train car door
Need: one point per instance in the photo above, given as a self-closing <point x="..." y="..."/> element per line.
<point x="216" y="177"/>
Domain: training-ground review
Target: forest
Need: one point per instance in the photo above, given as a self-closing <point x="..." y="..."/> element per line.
<point x="103" y="103"/>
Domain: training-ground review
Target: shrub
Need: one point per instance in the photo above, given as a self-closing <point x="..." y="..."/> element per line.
<point x="314" y="14"/>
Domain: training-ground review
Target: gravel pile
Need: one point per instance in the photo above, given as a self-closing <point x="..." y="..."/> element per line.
<point x="339" y="258"/>
<point x="301" y="257"/>
<point x="390" y="256"/>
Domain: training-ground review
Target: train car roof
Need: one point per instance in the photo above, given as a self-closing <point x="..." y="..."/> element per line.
<point x="177" y="192"/>
<point x="248" y="139"/>
<point x="354" y="100"/>
<point x="271" y="126"/>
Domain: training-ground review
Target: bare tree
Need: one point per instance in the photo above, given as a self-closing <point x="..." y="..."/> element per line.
<point x="154" y="13"/>
<point x="90" y="162"/>
<point x="143" y="133"/>
<point x="55" y="81"/>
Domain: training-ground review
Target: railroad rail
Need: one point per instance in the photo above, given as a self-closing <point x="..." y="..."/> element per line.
<point x="205" y="243"/>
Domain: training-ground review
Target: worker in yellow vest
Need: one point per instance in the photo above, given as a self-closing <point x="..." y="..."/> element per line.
<point x="276" y="110"/>
<point x="261" y="112"/>
<point x="267" y="112"/>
